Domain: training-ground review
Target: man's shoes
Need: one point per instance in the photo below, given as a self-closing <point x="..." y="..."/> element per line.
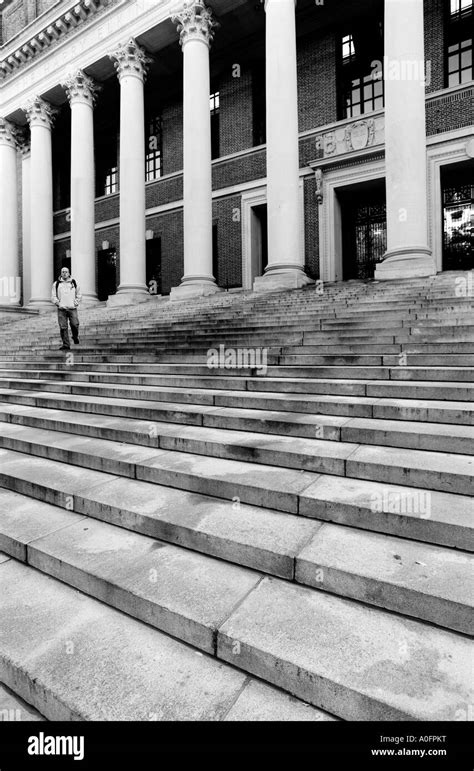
<point x="64" y="348"/>
<point x="76" y="341"/>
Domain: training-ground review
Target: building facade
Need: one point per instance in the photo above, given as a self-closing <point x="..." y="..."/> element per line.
<point x="162" y="148"/>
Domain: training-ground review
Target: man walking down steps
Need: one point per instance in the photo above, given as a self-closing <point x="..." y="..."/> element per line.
<point x="66" y="294"/>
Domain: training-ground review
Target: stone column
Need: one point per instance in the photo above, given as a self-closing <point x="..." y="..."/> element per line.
<point x="408" y="254"/>
<point x="10" y="283"/>
<point x="25" y="151"/>
<point x="285" y="269"/>
<point x="131" y="64"/>
<point x="40" y="116"/>
<point x="81" y="91"/>
<point x="195" y="25"/>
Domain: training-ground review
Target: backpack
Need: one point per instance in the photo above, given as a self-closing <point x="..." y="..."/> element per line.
<point x="73" y="282"/>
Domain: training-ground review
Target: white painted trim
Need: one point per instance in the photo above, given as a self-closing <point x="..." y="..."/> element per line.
<point x="330" y="225"/>
<point x="252" y="198"/>
<point x="438" y="156"/>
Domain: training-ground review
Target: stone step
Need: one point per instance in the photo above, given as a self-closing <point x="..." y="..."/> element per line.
<point x="427" y="582"/>
<point x="221" y="525"/>
<point x="163" y="389"/>
<point x="263" y="539"/>
<point x="186" y="594"/>
<point x="409" y="434"/>
<point x="460" y="413"/>
<point x="356" y="661"/>
<point x="14" y="709"/>
<point x="198" y="465"/>
<point x="180" y="405"/>
<point x="115" y="658"/>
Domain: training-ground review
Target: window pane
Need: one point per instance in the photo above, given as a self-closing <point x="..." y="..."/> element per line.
<point x="466" y="59"/>
<point x="453" y="63"/>
<point x="454" y="79"/>
<point x="378" y="88"/>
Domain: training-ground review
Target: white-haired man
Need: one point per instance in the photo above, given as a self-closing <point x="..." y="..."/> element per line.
<point x="66" y="294"/>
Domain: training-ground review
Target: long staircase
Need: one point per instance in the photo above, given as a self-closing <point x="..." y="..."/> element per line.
<point x="290" y="541"/>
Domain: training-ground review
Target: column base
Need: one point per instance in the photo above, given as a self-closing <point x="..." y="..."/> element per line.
<point x="415" y="262"/>
<point x="41" y="303"/>
<point x="89" y="299"/>
<point x="193" y="287"/>
<point x="281" y="279"/>
<point x="129" y="295"/>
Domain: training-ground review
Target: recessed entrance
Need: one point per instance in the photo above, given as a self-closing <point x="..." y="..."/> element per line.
<point x="364" y="228"/>
<point x="259" y="240"/>
<point x="107" y="273"/>
<point x="457" y="193"/>
<point x="153" y="265"/>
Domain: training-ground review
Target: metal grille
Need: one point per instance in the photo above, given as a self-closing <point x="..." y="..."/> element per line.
<point x="458" y="231"/>
<point x="371" y="238"/>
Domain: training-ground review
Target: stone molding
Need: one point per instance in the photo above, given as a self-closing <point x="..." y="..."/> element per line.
<point x="53" y="32"/>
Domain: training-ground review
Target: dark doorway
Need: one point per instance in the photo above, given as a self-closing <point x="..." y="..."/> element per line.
<point x="153" y="265"/>
<point x="364" y="230"/>
<point x="457" y="184"/>
<point x="107" y="273"/>
<point x="259" y="236"/>
<point x="215" y="253"/>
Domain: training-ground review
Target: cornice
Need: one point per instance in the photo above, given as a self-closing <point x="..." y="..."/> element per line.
<point x="22" y="50"/>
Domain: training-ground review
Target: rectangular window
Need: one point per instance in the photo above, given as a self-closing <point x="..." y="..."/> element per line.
<point x="111" y="181"/>
<point x="214" y="106"/>
<point x="154" y="149"/>
<point x="459" y="42"/>
<point x="360" y="70"/>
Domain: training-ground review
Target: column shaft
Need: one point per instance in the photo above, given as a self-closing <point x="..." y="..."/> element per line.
<point x="131" y="63"/>
<point x="408" y="254"/>
<point x="196" y="24"/>
<point x="197" y="165"/>
<point x="10" y="284"/>
<point x="81" y="91"/>
<point x="132" y="186"/>
<point x="285" y="268"/>
<point x="40" y="116"/>
<point x="25" y="224"/>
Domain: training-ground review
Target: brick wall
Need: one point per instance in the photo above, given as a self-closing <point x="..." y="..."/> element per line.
<point x="226" y="214"/>
<point x="450" y="112"/>
<point x="316" y="81"/>
<point x="236" y="120"/>
<point x="434" y="42"/>
<point x="172" y="116"/>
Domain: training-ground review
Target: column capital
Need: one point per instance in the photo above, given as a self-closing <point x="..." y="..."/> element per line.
<point x="195" y="22"/>
<point x="80" y="88"/>
<point x="40" y="113"/>
<point x="130" y="59"/>
<point x="8" y="133"/>
<point x="23" y="142"/>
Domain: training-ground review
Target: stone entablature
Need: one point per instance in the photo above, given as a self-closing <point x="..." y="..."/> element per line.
<point x="45" y="32"/>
